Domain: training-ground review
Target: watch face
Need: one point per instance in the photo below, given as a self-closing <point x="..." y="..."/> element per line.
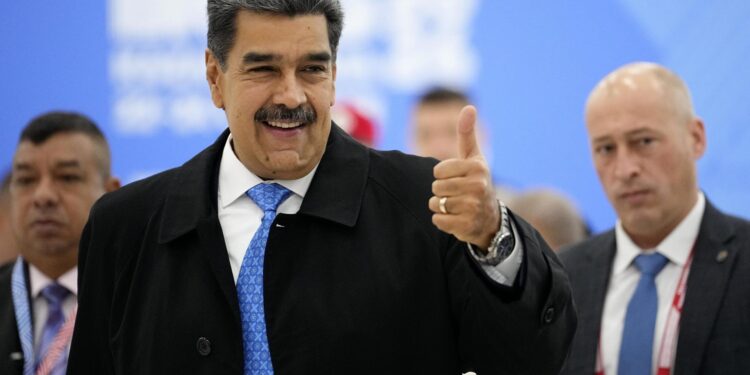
<point x="505" y="245"/>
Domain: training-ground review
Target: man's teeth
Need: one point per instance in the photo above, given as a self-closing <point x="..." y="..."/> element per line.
<point x="284" y="125"/>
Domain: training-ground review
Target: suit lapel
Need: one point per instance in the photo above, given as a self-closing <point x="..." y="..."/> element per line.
<point x="713" y="261"/>
<point x="10" y="344"/>
<point x="337" y="190"/>
<point x="192" y="206"/>
<point x="593" y="295"/>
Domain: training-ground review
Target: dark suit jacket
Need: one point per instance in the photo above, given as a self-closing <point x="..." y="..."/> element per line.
<point x="714" y="336"/>
<point x="9" y="341"/>
<point x="358" y="282"/>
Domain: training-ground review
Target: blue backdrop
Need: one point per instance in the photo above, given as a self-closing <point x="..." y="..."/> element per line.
<point x="136" y="67"/>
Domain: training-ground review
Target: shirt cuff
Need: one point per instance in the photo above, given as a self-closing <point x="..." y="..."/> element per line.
<point x="505" y="272"/>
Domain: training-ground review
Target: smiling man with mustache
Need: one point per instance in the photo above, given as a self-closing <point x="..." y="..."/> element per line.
<point x="666" y="291"/>
<point x="287" y="247"/>
<point x="60" y="168"/>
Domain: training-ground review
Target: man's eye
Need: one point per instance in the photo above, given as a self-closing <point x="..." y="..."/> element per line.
<point x="70" y="178"/>
<point x="23" y="180"/>
<point x="260" y="69"/>
<point x="315" y="68"/>
<point x="645" y="141"/>
<point x="604" y="149"/>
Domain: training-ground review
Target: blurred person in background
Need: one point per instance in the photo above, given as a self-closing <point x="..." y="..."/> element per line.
<point x="553" y="214"/>
<point x="8" y="249"/>
<point x="433" y="128"/>
<point x="666" y="291"/>
<point x="60" y="167"/>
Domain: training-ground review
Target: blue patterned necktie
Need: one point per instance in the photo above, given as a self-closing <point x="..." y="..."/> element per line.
<point x="250" y="282"/>
<point x="55" y="295"/>
<point x="636" y="350"/>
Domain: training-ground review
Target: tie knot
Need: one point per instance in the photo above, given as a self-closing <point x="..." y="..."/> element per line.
<point x="650" y="264"/>
<point x="55" y="294"/>
<point x="268" y="196"/>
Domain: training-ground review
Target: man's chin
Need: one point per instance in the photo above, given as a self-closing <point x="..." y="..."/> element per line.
<point x="56" y="247"/>
<point x="286" y="165"/>
<point x="640" y="223"/>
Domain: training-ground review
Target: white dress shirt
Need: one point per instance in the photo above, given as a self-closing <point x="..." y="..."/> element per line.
<point x="240" y="217"/>
<point x="676" y="248"/>
<point x="37" y="282"/>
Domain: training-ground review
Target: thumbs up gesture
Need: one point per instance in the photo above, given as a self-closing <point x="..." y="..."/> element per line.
<point x="464" y="202"/>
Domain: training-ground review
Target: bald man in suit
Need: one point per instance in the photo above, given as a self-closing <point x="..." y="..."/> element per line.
<point x="667" y="289"/>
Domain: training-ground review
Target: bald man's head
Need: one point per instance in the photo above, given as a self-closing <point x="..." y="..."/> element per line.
<point x="645" y="139"/>
<point x="667" y="88"/>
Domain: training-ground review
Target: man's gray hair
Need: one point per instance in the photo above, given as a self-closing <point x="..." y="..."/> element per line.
<point x="222" y="15"/>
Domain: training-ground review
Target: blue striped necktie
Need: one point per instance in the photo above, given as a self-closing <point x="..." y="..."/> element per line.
<point x="636" y="349"/>
<point x="250" y="282"/>
<point x="55" y="295"/>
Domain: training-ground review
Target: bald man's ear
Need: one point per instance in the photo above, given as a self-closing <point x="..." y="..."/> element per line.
<point x="112" y="184"/>
<point x="698" y="137"/>
<point x="214" y="78"/>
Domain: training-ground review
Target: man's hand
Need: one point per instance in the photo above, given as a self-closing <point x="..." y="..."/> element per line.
<point x="469" y="209"/>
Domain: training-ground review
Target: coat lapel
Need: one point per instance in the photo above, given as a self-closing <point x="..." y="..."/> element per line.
<point x="338" y="187"/>
<point x="713" y="261"/>
<point x="335" y="194"/>
<point x="192" y="206"/>
<point x="592" y="297"/>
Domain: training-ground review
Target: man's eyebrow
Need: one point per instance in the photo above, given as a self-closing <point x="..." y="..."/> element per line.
<point x="22" y="166"/>
<point x="255" y="57"/>
<point x="319" y="56"/>
<point x="604" y="138"/>
<point x="67" y="164"/>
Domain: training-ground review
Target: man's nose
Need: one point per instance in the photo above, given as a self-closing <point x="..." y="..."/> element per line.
<point x="627" y="166"/>
<point x="290" y="92"/>
<point x="45" y="193"/>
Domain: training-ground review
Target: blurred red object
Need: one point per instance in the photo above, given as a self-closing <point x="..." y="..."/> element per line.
<point x="356" y="123"/>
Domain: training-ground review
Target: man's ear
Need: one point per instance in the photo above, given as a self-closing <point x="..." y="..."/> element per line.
<point x="698" y="138"/>
<point x="333" y="83"/>
<point x="112" y="184"/>
<point x="214" y="78"/>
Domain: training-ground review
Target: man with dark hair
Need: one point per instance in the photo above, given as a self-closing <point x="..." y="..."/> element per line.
<point x="433" y="128"/>
<point x="666" y="291"/>
<point x="61" y="166"/>
<point x="287" y="247"/>
<point x="433" y="122"/>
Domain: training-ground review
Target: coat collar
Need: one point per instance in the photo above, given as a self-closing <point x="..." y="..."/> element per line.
<point x="335" y="193"/>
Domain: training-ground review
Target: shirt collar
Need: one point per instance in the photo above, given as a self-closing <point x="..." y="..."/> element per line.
<point x="235" y="180"/>
<point x="676" y="246"/>
<point x="39" y="280"/>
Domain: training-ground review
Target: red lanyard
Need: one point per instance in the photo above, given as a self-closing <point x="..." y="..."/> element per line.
<point x="669" y="337"/>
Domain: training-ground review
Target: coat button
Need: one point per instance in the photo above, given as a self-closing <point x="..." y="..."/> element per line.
<point x="549" y="314"/>
<point x="203" y="346"/>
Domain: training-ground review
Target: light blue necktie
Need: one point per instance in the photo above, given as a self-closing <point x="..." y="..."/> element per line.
<point x="250" y="282"/>
<point x="636" y="350"/>
<point x="55" y="295"/>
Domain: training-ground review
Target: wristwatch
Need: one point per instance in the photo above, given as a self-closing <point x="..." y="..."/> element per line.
<point x="502" y="244"/>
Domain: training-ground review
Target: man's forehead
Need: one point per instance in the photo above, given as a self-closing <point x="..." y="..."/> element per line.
<point x="59" y="151"/>
<point x="271" y="33"/>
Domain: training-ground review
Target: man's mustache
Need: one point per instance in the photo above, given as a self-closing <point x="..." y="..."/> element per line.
<point x="280" y="113"/>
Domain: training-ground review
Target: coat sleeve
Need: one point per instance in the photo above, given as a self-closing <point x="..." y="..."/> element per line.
<point x="90" y="349"/>
<point x="525" y="328"/>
